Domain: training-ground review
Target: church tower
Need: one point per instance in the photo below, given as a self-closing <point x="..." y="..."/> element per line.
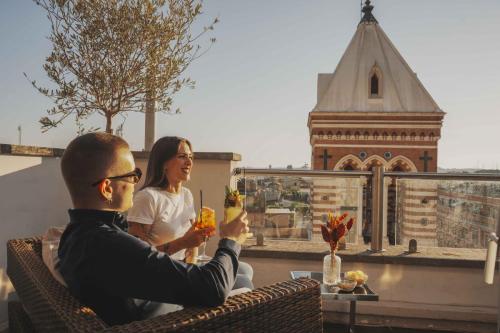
<point x="372" y="111"/>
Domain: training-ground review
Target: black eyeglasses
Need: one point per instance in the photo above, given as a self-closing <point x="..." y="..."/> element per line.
<point x="134" y="175"/>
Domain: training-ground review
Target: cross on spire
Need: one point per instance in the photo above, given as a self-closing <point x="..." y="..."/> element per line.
<point x="325" y="158"/>
<point x="367" y="10"/>
<point x="426" y="158"/>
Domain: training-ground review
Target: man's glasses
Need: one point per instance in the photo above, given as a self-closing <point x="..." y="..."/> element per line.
<point x="135" y="177"/>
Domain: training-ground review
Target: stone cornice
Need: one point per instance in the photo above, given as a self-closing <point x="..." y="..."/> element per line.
<point x="363" y="119"/>
<point x="19" y="150"/>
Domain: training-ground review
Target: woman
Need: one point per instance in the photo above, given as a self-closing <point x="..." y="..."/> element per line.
<point x="163" y="210"/>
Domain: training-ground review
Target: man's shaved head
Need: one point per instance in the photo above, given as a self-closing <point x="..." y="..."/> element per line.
<point x="87" y="159"/>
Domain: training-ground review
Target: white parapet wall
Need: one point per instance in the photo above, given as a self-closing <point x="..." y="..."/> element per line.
<point x="444" y="293"/>
<point x="33" y="196"/>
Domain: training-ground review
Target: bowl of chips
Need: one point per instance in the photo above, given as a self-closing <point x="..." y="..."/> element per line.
<point x="359" y="276"/>
<point x="347" y="284"/>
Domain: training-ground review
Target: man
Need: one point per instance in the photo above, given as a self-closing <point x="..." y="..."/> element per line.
<point x="104" y="266"/>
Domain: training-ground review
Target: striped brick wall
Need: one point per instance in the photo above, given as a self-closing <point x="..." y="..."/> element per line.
<point x="417" y="212"/>
<point x="329" y="195"/>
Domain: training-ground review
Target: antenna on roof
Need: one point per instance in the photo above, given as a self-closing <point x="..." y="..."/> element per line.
<point x="20" y="134"/>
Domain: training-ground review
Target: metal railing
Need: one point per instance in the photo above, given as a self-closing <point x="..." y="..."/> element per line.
<point x="378" y="178"/>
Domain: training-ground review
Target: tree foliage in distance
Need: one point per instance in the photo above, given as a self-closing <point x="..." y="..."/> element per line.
<point x="109" y="56"/>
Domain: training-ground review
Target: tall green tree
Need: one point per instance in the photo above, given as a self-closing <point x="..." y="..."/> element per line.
<point x="109" y="56"/>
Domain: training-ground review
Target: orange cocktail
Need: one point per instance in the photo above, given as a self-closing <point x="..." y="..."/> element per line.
<point x="206" y="219"/>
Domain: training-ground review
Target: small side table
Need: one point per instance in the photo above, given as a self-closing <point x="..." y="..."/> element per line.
<point x="361" y="293"/>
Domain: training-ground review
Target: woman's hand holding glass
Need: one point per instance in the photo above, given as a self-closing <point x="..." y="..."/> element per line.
<point x="195" y="236"/>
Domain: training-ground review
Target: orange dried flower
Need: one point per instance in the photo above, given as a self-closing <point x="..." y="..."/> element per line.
<point x="335" y="229"/>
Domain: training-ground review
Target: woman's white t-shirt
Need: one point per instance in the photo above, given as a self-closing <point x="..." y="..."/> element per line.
<point x="169" y="214"/>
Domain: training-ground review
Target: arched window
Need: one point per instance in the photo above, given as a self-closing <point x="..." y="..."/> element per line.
<point x="329" y="135"/>
<point x="376" y="136"/>
<point x="422" y="136"/>
<point x="349" y="167"/>
<point x="431" y="136"/>
<point x="321" y="134"/>
<point x="403" y="136"/>
<point x="366" y="135"/>
<point x="338" y="135"/>
<point x="356" y="135"/>
<point x="348" y="135"/>
<point x="375" y="82"/>
<point x="385" y="135"/>
<point x="394" y="136"/>
<point x="397" y="168"/>
<point x="413" y="136"/>
<point x="374" y="85"/>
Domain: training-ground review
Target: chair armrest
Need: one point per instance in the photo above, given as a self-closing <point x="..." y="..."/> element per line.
<point x="290" y="306"/>
<point x="50" y="306"/>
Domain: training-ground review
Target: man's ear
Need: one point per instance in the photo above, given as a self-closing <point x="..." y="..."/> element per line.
<point x="105" y="190"/>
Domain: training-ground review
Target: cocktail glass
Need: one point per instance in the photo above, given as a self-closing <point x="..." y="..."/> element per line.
<point x="206" y="219"/>
<point x="231" y="213"/>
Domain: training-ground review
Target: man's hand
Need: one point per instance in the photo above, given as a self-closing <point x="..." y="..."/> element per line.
<point x="236" y="230"/>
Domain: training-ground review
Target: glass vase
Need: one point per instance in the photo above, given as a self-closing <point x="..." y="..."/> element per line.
<point x="331" y="269"/>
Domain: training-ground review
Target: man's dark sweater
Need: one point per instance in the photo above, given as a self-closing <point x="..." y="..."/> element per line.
<point x="105" y="268"/>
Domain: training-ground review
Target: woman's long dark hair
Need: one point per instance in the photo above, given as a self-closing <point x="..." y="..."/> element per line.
<point x="163" y="150"/>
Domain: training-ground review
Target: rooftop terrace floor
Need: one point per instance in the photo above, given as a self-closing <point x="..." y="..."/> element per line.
<point x="402" y="325"/>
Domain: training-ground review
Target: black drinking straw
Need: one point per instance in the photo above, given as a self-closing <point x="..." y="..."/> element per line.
<point x="201" y="206"/>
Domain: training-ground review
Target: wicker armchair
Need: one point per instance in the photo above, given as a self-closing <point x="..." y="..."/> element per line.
<point x="292" y="306"/>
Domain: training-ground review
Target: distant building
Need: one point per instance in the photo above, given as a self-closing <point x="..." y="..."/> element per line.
<point x="280" y="223"/>
<point x="272" y="195"/>
<point x="246" y="185"/>
<point x="280" y="217"/>
<point x="467" y="213"/>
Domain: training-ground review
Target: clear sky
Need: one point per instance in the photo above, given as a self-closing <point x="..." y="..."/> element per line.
<point x="257" y="84"/>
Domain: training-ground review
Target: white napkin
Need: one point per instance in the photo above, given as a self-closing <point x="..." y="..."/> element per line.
<point x="50" y="245"/>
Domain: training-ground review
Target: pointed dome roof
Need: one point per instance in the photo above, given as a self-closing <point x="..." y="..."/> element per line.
<point x="370" y="51"/>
